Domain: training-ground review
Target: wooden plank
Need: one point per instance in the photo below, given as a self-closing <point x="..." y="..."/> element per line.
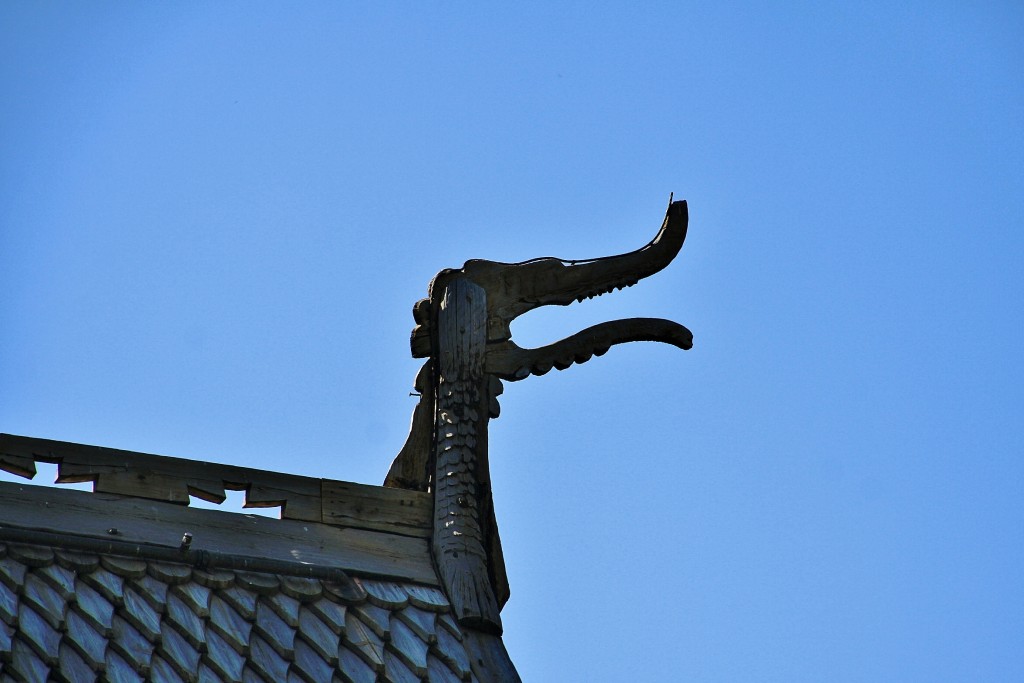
<point x="295" y="504"/>
<point x="359" y="551"/>
<point x="143" y="483"/>
<point x="157" y="477"/>
<point x="21" y="465"/>
<point x="163" y="478"/>
<point x="396" y="511"/>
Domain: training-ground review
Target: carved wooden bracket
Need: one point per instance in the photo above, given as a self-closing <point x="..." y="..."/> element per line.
<point x="463" y="329"/>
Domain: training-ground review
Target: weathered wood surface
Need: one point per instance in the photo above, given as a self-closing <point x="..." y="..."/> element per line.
<point x="411" y="469"/>
<point x="173" y="480"/>
<point x="164" y="478"/>
<point x="461" y="475"/>
<point x="511" y="362"/>
<point x="489" y="658"/>
<point x="373" y="507"/>
<point x="79" y="513"/>
<point x="89" y="614"/>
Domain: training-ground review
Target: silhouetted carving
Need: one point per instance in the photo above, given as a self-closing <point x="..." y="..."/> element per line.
<point x="463" y="330"/>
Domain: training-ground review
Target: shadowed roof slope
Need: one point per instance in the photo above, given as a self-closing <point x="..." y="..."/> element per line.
<point x="103" y="586"/>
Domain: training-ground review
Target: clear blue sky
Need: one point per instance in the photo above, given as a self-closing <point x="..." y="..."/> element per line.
<point x="215" y="218"/>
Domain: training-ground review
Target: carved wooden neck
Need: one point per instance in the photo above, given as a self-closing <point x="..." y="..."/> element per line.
<point x="461" y="478"/>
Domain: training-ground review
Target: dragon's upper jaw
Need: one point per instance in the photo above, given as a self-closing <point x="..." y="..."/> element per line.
<point x="515" y="288"/>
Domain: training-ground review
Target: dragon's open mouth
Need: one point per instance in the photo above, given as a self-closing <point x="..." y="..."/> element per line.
<point x="512" y="289"/>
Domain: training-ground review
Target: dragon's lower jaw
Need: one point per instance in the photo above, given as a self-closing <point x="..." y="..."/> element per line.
<point x="511" y="362"/>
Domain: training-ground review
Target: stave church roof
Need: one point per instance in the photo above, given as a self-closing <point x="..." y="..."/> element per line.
<point x="129" y="583"/>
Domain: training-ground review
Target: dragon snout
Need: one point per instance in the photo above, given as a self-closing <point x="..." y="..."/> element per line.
<point x="512" y="289"/>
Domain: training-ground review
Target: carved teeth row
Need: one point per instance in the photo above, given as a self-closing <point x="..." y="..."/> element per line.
<point x="544" y="367"/>
<point x="607" y="290"/>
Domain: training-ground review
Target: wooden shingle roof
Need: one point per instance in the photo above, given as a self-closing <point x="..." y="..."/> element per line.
<point x="80" y="616"/>
<point x="108" y="586"/>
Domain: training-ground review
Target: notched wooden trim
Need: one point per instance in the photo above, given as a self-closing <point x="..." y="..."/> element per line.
<point x="174" y="480"/>
<point x="163" y="478"/>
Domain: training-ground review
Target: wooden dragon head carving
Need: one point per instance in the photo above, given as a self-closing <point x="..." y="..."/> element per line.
<point x="463" y="329"/>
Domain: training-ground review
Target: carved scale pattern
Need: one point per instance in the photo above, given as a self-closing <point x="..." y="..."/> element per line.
<point x="75" y="616"/>
<point x="461" y="455"/>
